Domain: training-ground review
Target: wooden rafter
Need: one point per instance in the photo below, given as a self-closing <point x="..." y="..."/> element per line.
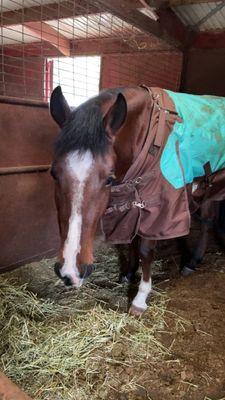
<point x="156" y="3"/>
<point x="174" y="3"/>
<point x="45" y="32"/>
<point x="47" y="12"/>
<point x="124" y="9"/>
<point x="167" y="28"/>
<point x="174" y="26"/>
<point x="96" y="46"/>
<point x="53" y="11"/>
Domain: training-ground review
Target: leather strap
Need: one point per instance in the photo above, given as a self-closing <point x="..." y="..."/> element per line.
<point x="160" y="129"/>
<point x="164" y="114"/>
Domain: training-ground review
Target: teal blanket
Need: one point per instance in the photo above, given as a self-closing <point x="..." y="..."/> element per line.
<point x="201" y="138"/>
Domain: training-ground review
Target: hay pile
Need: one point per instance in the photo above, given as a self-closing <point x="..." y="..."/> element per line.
<point x="59" y="352"/>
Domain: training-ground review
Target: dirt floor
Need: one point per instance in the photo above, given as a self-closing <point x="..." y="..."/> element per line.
<point x="195" y="367"/>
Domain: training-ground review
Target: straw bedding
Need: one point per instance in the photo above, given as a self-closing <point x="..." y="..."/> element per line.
<point x="63" y="352"/>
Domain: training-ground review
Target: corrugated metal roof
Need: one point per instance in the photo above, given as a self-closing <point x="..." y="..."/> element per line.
<point x="105" y="24"/>
<point x="192" y="14"/>
<point x="7" y="5"/>
<point x="91" y="26"/>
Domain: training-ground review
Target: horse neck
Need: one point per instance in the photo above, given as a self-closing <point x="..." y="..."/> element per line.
<point x="131" y="136"/>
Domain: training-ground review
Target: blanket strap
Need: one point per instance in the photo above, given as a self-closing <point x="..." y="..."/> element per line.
<point x="164" y="114"/>
<point x="208" y="173"/>
<point x="160" y="129"/>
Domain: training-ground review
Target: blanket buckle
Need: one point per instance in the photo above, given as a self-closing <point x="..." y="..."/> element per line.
<point x="139" y="204"/>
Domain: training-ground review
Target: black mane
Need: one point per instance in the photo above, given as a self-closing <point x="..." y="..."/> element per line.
<point x="84" y="130"/>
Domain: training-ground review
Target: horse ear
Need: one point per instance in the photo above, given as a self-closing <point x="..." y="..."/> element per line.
<point x="116" y="115"/>
<point x="59" y="108"/>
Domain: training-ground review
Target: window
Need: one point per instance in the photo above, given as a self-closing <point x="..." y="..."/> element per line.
<point x="78" y="77"/>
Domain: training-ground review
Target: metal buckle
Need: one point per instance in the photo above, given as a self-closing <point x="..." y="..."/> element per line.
<point x="139" y="204"/>
<point x="138" y="180"/>
<point x="134" y="182"/>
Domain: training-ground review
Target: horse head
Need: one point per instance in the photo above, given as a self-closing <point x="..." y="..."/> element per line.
<point x="83" y="169"/>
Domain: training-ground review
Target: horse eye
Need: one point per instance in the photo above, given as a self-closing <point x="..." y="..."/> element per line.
<point x="110" y="180"/>
<point x="53" y="172"/>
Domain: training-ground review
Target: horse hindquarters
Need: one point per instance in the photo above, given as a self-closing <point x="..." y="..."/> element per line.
<point x="208" y="216"/>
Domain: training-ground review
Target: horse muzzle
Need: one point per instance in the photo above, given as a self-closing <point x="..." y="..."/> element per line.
<point x="85" y="270"/>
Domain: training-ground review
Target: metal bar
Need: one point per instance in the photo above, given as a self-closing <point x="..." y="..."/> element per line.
<point x="209" y="15"/>
<point x="24" y="170"/>
<point x="23" y="102"/>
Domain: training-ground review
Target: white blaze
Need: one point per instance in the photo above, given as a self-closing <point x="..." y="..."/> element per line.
<point x="79" y="167"/>
<point x="143" y="292"/>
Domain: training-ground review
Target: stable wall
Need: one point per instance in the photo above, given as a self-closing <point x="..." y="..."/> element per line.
<point x="22" y="77"/>
<point x="162" y="69"/>
<point x="28" y="228"/>
<point x="204" y="71"/>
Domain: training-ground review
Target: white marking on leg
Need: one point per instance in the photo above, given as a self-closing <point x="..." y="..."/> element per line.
<point x="143" y="292"/>
<point x="79" y="167"/>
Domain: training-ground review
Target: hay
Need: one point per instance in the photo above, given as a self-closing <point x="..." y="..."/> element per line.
<point x="207" y="398"/>
<point x="59" y="352"/>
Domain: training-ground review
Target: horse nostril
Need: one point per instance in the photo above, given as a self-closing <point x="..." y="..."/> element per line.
<point x="86" y="270"/>
<point x="57" y="268"/>
<point x="66" y="279"/>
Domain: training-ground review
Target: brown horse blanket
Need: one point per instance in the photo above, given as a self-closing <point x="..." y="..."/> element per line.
<point x="179" y="165"/>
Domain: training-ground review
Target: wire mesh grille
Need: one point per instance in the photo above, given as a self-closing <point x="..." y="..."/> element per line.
<point x="79" y="45"/>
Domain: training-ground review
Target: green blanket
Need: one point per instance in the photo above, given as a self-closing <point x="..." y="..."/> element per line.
<point x="201" y="138"/>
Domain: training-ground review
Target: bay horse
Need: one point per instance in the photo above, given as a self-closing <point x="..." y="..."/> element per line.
<point x="120" y="160"/>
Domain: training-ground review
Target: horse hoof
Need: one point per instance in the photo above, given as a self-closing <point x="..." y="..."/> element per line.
<point x="136" y="311"/>
<point x="123" y="279"/>
<point x="186" y="271"/>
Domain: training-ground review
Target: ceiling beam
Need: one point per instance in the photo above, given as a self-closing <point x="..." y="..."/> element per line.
<point x="174" y="3"/>
<point x="124" y="9"/>
<point x="47" y="12"/>
<point x="86" y="47"/>
<point x="155" y="3"/>
<point x="174" y="26"/>
<point x="168" y="28"/>
<point x="100" y="46"/>
<point x="44" y="32"/>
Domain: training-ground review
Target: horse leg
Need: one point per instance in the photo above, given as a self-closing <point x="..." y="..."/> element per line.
<point x="207" y="216"/>
<point x="129" y="263"/>
<point x="220" y="223"/>
<point x="139" y="305"/>
<point x="184" y="251"/>
<point x="123" y="261"/>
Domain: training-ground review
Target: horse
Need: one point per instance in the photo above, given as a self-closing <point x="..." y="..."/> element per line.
<point x="120" y="160"/>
